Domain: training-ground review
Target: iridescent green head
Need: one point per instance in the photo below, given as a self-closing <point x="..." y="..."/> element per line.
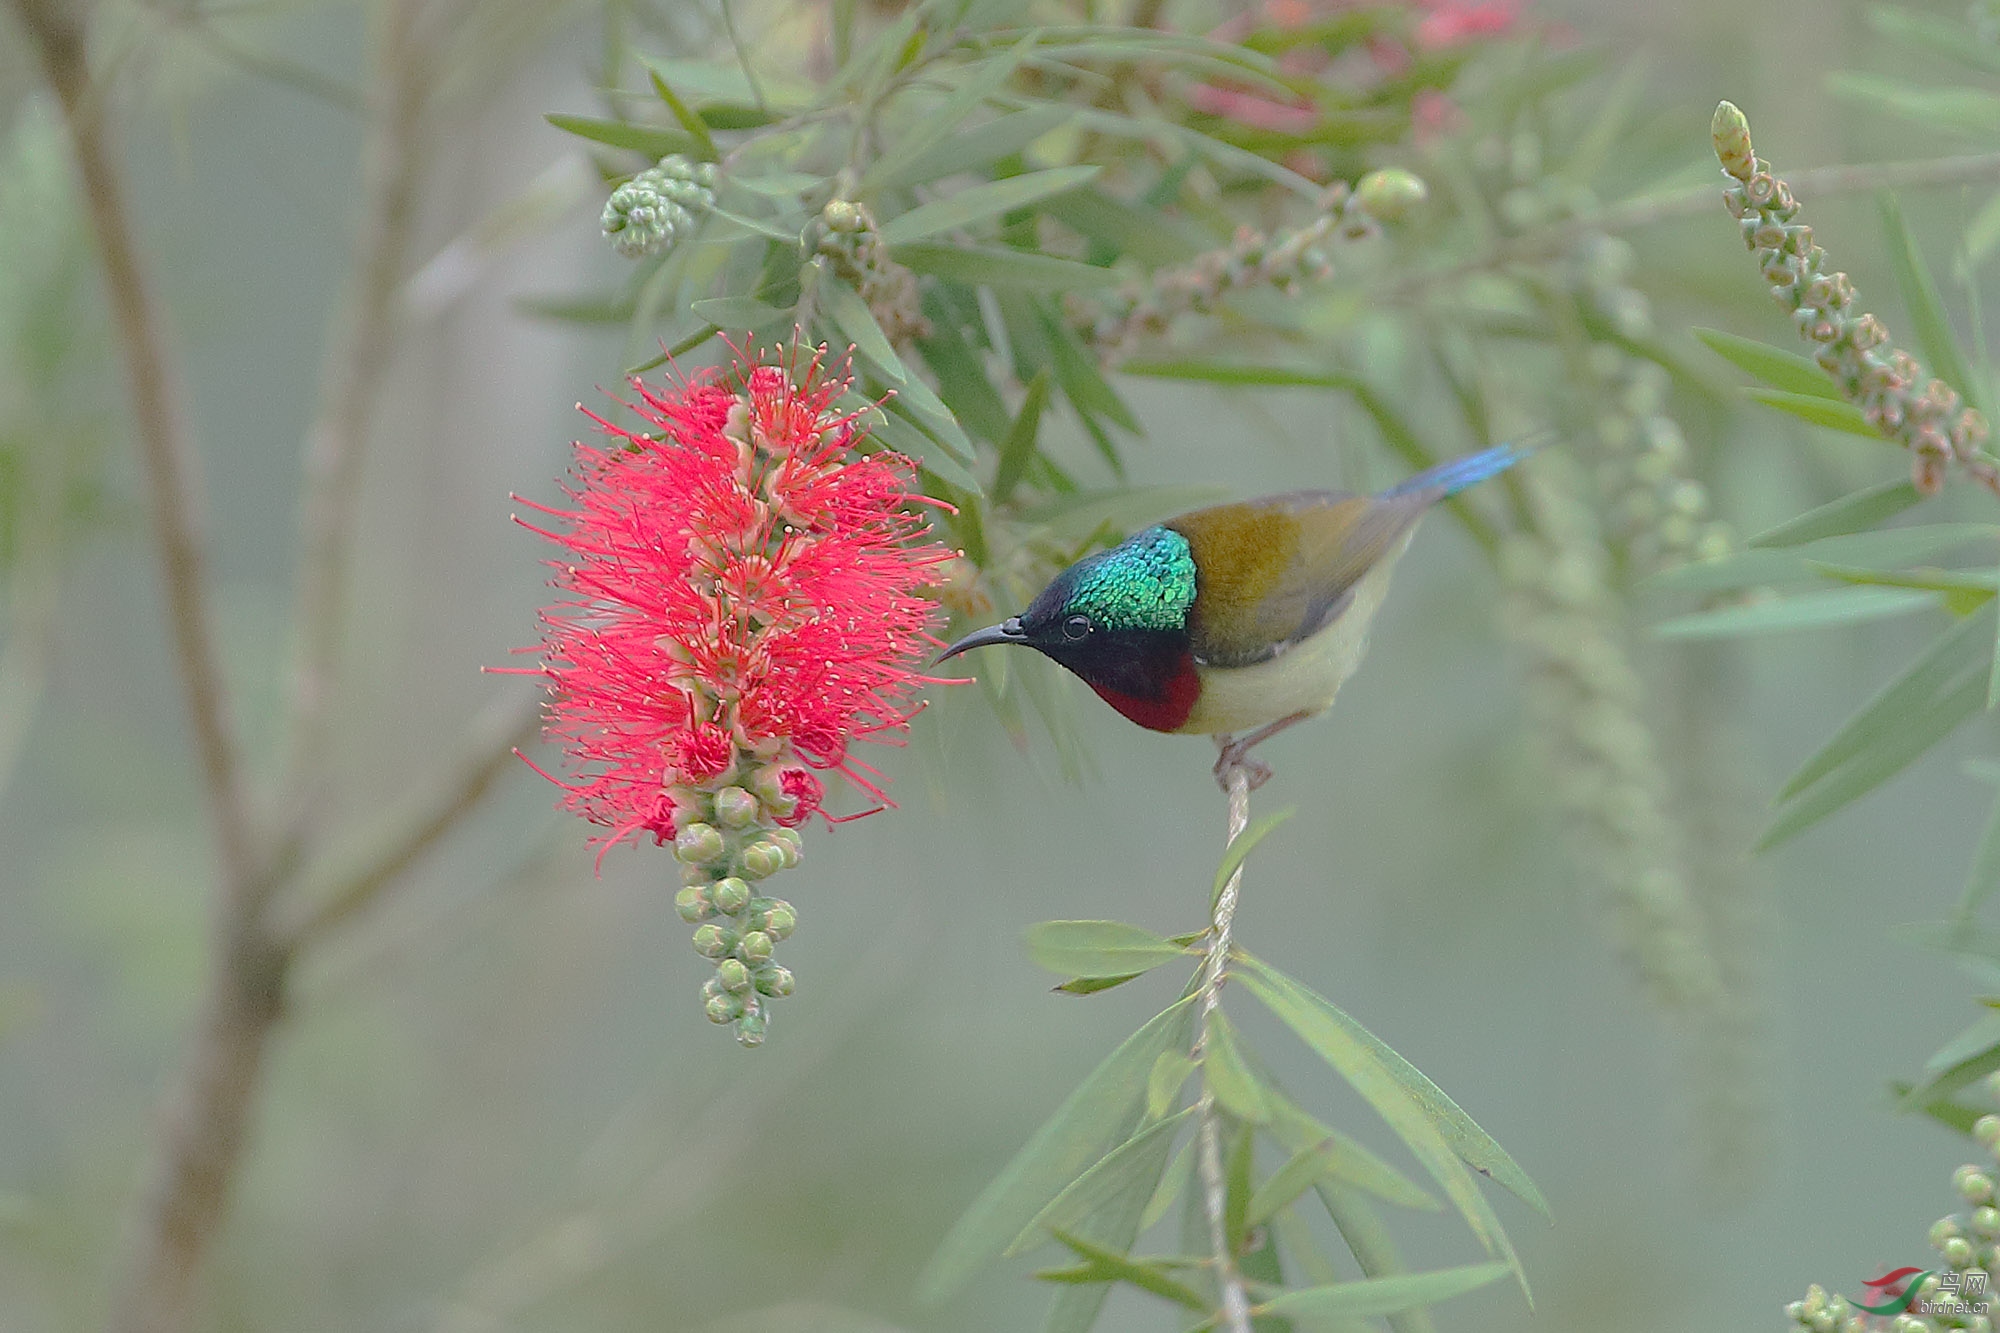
<point x="1119" y="619"/>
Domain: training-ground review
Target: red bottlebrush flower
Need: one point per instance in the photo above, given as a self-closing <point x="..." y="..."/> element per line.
<point x="739" y="588"/>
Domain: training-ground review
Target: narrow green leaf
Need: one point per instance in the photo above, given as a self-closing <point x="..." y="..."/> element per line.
<point x="1478" y="1149"/>
<point x="1300" y="1171"/>
<point x="1850" y="513"/>
<point x="1876" y="766"/>
<point x="1964" y="591"/>
<point x="1235" y="374"/>
<point x="1117" y="229"/>
<point x="689" y="121"/>
<point x="1098" y="948"/>
<point x="1092" y="985"/>
<point x="1892" y="707"/>
<point x="1778" y="368"/>
<point x="1983" y="232"/>
<point x="1163" y="1085"/>
<point x="738" y="312"/>
<point x="1935" y="35"/>
<point x="1228" y="1076"/>
<point x="978" y="202"/>
<point x="984" y="78"/>
<point x="1926" y="305"/>
<point x="1842" y="606"/>
<point x="1243" y="844"/>
<point x="1357" y="1056"/>
<point x="1957" y="110"/>
<point x="856" y="323"/>
<point x="776" y="184"/>
<point x="1380" y="1295"/>
<point x="1178" y="1173"/>
<point x="1834" y="414"/>
<point x="755" y="226"/>
<point x="998" y="266"/>
<point x="1101" y="1110"/>
<point x="1085" y="387"/>
<point x="911" y="440"/>
<point x="1880" y="550"/>
<point x="1348" y="1161"/>
<point x="1374" y="1249"/>
<point x="1018" y="449"/>
<point x="1950" y="1114"/>
<point x="1302" y="1247"/>
<point x="976" y="148"/>
<point x="1137" y="1161"/>
<point x="1985" y="874"/>
<point x="1116" y="1267"/>
<point x="1972" y="1054"/>
<point x="925" y="405"/>
<point x="655" y="141"/>
<point x="1236" y="1166"/>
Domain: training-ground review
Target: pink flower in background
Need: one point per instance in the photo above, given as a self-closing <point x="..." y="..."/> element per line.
<point x="1451" y="22"/>
<point x="739" y="600"/>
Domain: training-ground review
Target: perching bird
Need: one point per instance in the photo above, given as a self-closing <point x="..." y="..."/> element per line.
<point x="1238" y="618"/>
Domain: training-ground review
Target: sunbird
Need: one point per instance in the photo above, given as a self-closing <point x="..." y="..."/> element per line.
<point x="1240" y="619"/>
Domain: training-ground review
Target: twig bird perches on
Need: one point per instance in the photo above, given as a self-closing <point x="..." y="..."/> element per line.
<point x="1236" y="620"/>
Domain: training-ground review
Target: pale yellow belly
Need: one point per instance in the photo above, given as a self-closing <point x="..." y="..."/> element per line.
<point x="1302" y="679"/>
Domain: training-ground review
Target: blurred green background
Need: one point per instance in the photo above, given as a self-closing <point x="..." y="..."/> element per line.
<point x="496" y="1105"/>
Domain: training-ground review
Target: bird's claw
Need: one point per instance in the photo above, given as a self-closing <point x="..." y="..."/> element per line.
<point x="1236" y="755"/>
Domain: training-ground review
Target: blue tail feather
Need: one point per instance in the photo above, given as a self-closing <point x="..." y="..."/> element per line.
<point x="1455" y="475"/>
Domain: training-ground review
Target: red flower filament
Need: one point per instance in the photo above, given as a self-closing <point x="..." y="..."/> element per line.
<point x="740" y="594"/>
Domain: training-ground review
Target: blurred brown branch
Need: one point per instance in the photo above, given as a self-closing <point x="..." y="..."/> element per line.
<point x="205" y="1120"/>
<point x="348" y="885"/>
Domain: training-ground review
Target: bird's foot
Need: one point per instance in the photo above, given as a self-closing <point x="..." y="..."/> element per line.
<point x="1235" y="753"/>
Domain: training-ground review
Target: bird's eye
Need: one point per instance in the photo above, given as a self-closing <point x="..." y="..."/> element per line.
<point x="1076" y="627"/>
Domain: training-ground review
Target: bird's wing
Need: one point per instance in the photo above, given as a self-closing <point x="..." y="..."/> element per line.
<point x="1271" y="572"/>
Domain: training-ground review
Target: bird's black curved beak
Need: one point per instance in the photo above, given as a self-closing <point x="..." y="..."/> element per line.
<point x="1007" y="631"/>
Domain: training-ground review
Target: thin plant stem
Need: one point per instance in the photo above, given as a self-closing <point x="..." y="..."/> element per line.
<point x="1215" y="1189"/>
<point x="742" y="55"/>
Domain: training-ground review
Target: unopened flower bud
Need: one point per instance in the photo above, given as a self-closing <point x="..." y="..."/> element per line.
<point x="1986" y="1223"/>
<point x="780" y="921"/>
<point x="788" y="841"/>
<point x="735" y="807"/>
<point x="733" y="975"/>
<point x="1958" y="1252"/>
<point x="750" y="1029"/>
<point x="1972" y="1184"/>
<point x="712" y="941"/>
<point x="692" y="903"/>
<point x="698" y="844"/>
<point x="1987" y="1130"/>
<point x="761" y="860"/>
<point x="722" y="1008"/>
<point x="842" y="215"/>
<point x="1390" y="195"/>
<point x="1943" y="1230"/>
<point x="754" y="947"/>
<point x="774" y="980"/>
<point x="731" y="895"/>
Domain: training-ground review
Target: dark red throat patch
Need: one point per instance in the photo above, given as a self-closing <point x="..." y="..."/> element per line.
<point x="1166" y="711"/>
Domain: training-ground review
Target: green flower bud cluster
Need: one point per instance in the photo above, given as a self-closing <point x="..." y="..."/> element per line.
<point x="1658" y="515"/>
<point x="1890" y="387"/>
<point x="1968" y="1245"/>
<point x="728" y="846"/>
<point x="1598" y="748"/>
<point x="648" y="213"/>
<point x="850" y="242"/>
<point x="1252" y="260"/>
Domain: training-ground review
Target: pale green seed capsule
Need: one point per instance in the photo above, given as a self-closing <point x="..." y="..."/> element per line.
<point x="1985" y="1223"/>
<point x="692" y="903"/>
<point x="731" y="895"/>
<point x="774" y="980"/>
<point x="780" y="921"/>
<point x="761" y="860"/>
<point x="1987" y="1129"/>
<point x="735" y="807"/>
<point x="1944" y="1229"/>
<point x="750" y="1030"/>
<point x="1972" y="1184"/>
<point x="841" y="215"/>
<point x="722" y="1008"/>
<point x="754" y="947"/>
<point x="698" y="844"/>
<point x="1958" y="1252"/>
<point x="734" y="977"/>
<point x="712" y="941"/>
<point x="1390" y="195"/>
